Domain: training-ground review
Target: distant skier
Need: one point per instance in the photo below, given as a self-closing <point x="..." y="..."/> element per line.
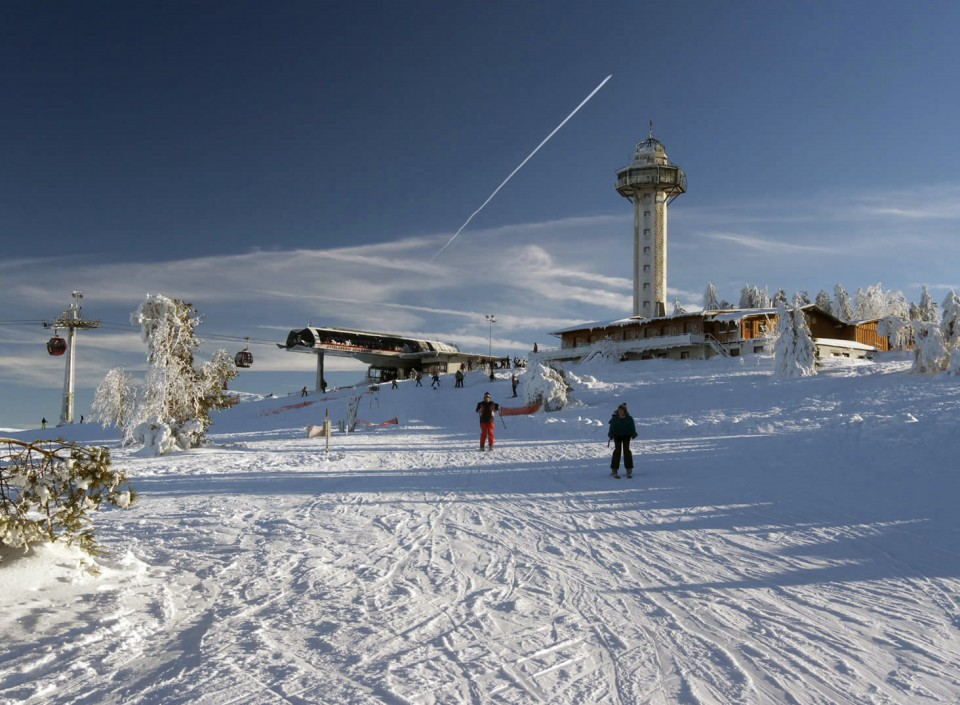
<point x="459" y="377"/>
<point x="622" y="429"/>
<point x="487" y="408"/>
<point x="514" y="381"/>
<point x="43" y="423"/>
<point x="418" y="376"/>
<point x="435" y="384"/>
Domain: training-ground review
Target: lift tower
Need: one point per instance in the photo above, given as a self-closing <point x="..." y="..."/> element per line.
<point x="71" y="320"/>
<point x="651" y="182"/>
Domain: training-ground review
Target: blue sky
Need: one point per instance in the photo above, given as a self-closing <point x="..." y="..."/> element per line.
<point x="296" y="163"/>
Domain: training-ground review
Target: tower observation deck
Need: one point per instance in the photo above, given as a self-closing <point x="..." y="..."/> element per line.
<point x="651" y="182"/>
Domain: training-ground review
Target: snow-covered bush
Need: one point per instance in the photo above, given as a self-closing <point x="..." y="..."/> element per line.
<point x="793" y="347"/>
<point x="929" y="351"/>
<point x="48" y="489"/>
<point x="541" y="382"/>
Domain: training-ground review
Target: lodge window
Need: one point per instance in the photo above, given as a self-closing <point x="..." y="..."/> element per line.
<point x="684" y="355"/>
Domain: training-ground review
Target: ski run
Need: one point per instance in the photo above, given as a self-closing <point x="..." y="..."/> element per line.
<point x="782" y="541"/>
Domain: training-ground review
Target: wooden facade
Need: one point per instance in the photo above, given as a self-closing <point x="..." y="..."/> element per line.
<point x="701" y="335"/>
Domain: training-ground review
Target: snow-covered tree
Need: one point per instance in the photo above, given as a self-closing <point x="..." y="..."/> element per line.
<point x="950" y="319"/>
<point x="897" y="305"/>
<point x="823" y="302"/>
<point x="678" y="308"/>
<point x="870" y="303"/>
<point x="115" y="400"/>
<point x="803" y="298"/>
<point x="841" y="304"/>
<point x="172" y="410"/>
<point x="780" y="298"/>
<point x="754" y="297"/>
<point x="950" y="328"/>
<point x="710" y="300"/>
<point x="926" y="309"/>
<point x="896" y="330"/>
<point x="929" y="351"/>
<point x="793" y="348"/>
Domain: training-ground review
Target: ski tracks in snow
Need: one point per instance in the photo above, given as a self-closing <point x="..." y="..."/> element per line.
<point x="435" y="574"/>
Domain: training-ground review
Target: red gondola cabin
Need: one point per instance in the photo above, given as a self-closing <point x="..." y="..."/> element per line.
<point x="56" y="345"/>
<point x="244" y="358"/>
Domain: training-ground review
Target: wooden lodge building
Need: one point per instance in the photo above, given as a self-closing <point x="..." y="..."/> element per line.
<point x="705" y="334"/>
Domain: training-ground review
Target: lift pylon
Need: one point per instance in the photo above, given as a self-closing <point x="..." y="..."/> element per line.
<point x="71" y="321"/>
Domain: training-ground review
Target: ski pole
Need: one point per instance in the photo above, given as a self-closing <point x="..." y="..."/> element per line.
<point x="501" y="420"/>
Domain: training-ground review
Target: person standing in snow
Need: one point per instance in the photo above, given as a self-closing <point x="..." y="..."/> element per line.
<point x="417" y="375"/>
<point x="622" y="430"/>
<point x="487" y="408"/>
<point x="514" y="381"/>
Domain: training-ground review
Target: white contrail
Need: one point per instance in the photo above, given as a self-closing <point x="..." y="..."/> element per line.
<point x="520" y="166"/>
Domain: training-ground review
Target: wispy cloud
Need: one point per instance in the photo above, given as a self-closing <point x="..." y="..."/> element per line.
<point x="767" y="245"/>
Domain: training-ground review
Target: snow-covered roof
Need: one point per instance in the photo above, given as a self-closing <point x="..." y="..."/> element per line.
<point x="600" y="324"/>
<point x="738" y="314"/>
<point x="837" y="343"/>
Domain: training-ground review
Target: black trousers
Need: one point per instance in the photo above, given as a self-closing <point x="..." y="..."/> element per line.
<point x="621" y="446"/>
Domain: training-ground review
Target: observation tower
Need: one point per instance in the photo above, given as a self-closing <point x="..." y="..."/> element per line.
<point x="650" y="182"/>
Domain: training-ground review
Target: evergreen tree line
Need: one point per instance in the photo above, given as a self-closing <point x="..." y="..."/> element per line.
<point x="868" y="304"/>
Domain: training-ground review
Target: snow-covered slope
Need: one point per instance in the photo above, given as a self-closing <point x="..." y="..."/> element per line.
<point x="783" y="541"/>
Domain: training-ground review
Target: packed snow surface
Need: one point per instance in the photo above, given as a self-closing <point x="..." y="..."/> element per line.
<point x="782" y="541"/>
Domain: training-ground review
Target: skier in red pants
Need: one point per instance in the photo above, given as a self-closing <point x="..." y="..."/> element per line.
<point x="487" y="408"/>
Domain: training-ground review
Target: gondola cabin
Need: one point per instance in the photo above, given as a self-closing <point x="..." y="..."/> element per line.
<point x="56" y="345"/>
<point x="244" y="358"/>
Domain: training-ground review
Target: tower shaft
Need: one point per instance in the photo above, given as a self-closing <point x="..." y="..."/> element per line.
<point x="650" y="182"/>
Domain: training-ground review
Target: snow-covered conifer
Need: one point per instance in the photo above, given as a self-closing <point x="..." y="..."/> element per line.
<point x="823" y="302"/>
<point x="927" y="307"/>
<point x="710" y="300"/>
<point x="841" y="304"/>
<point x="678" y="308"/>
<point x="950" y="319"/>
<point x="780" y="298"/>
<point x="793" y="348"/>
<point x="929" y="351"/>
<point x="754" y="297"/>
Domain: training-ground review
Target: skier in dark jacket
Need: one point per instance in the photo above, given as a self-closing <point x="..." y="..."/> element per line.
<point x="622" y="429"/>
<point x="487" y="408"/>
